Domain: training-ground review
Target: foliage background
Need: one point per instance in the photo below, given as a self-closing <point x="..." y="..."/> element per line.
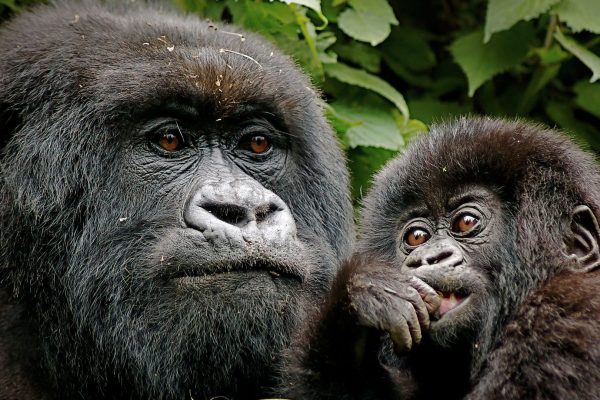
<point x="389" y="68"/>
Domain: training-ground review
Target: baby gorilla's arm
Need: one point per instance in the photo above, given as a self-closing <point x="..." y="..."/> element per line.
<point x="339" y="357"/>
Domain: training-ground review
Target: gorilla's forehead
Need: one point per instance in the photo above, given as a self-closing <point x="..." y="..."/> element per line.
<point x="210" y="79"/>
<point x="133" y="56"/>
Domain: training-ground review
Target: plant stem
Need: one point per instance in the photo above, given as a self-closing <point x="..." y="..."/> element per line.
<point x="550" y="32"/>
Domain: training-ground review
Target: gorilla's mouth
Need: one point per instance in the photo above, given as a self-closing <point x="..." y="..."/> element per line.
<point x="450" y="301"/>
<point x="277" y="270"/>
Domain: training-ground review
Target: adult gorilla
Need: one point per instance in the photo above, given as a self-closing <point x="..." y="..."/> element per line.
<point x="481" y="263"/>
<point x="172" y="201"/>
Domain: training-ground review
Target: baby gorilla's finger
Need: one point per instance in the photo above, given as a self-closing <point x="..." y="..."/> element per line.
<point x="431" y="298"/>
<point x="401" y="337"/>
<point x="419" y="306"/>
<point x="414" y="325"/>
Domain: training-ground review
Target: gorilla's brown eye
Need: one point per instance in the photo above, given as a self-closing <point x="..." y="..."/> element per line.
<point x="416" y="237"/>
<point x="170" y="142"/>
<point x="464" y="223"/>
<point x="260" y="144"/>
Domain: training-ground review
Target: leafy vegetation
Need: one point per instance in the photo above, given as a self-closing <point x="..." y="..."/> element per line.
<point x="389" y="68"/>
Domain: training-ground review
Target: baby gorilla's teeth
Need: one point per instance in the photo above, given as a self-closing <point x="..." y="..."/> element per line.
<point x="449" y="301"/>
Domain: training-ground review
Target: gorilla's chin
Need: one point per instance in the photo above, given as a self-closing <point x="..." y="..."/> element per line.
<point x="247" y="282"/>
<point x="218" y="323"/>
<point x="161" y="341"/>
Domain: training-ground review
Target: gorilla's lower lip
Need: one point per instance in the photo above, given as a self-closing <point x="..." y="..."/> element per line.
<point x="276" y="270"/>
<point x="249" y="274"/>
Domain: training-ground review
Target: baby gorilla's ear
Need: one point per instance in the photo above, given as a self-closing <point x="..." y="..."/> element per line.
<point x="582" y="240"/>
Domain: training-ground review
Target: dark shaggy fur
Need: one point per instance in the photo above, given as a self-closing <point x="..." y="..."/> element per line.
<point x="93" y="219"/>
<point x="536" y="334"/>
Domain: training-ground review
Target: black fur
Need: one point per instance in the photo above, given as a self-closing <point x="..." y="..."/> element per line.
<point x="94" y="218"/>
<point x="535" y="330"/>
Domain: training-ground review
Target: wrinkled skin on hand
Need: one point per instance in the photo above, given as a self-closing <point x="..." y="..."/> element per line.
<point x="385" y="299"/>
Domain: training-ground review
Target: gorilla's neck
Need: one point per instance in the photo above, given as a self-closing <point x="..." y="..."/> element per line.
<point x="443" y="372"/>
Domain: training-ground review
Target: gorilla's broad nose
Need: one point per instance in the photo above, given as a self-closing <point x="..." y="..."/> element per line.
<point x="240" y="216"/>
<point x="441" y="253"/>
<point x="239" y="211"/>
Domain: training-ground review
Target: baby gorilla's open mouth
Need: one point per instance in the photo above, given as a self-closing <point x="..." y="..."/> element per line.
<point x="450" y="301"/>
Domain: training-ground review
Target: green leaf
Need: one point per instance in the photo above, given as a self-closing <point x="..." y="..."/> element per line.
<point x="591" y="60"/>
<point x="408" y="129"/>
<point x="368" y="20"/>
<point x="373" y="127"/>
<point x="580" y="14"/>
<point x="563" y="115"/>
<point x="431" y="110"/>
<point x="481" y="62"/>
<point x="503" y="14"/>
<point x="10" y="4"/>
<point x="360" y="54"/>
<point x="324" y="41"/>
<point x="408" y="47"/>
<point x="588" y="97"/>
<point x="552" y="55"/>
<point x="379" y="8"/>
<point x="314" y="5"/>
<point x="358" y="77"/>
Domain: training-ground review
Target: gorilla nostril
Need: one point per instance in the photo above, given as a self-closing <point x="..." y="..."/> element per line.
<point x="229" y="213"/>
<point x="413" y="263"/>
<point x="263" y="211"/>
<point x="439" y="257"/>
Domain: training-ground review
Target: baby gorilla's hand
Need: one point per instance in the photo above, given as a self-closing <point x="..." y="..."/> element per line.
<point x="385" y="299"/>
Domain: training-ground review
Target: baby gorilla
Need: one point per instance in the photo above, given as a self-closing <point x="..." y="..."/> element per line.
<point x="478" y="276"/>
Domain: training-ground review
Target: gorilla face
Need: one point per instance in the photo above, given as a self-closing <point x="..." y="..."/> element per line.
<point x="460" y="246"/>
<point x="185" y="200"/>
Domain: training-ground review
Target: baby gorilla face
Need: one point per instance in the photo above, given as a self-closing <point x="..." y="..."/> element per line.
<point x="450" y="246"/>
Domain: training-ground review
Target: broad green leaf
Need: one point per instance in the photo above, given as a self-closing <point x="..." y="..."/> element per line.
<point x="314" y="5"/>
<point x="580" y="14"/>
<point x="408" y="129"/>
<point x="367" y="20"/>
<point x="591" y="60"/>
<point x="503" y="14"/>
<point x="358" y="77"/>
<point x="588" y="97"/>
<point x="310" y="36"/>
<point x="408" y="47"/>
<point x="324" y="41"/>
<point x="379" y="8"/>
<point x="361" y="54"/>
<point x="375" y="127"/>
<point x="481" y="61"/>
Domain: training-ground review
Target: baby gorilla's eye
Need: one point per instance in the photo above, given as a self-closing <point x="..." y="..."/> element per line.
<point x="464" y="223"/>
<point x="416" y="236"/>
<point x="170" y="141"/>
